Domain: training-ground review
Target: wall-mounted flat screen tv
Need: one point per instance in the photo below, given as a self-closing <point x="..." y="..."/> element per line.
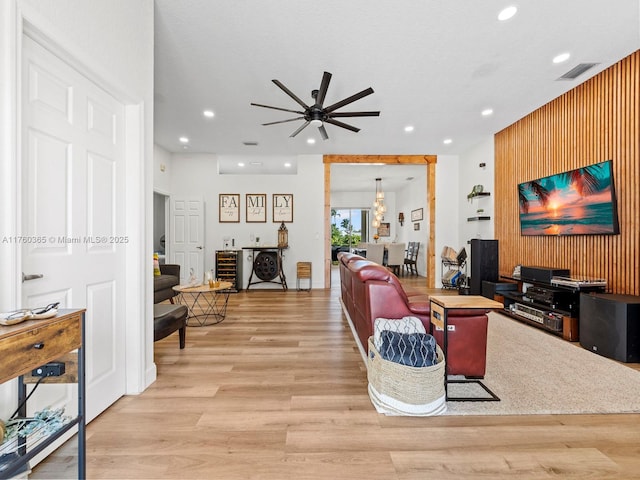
<point x="576" y="202"/>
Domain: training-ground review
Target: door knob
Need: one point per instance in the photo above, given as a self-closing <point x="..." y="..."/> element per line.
<point x="199" y="247"/>
<point x="33" y="276"/>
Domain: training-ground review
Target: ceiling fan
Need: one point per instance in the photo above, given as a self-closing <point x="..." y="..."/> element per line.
<point x="317" y="115"/>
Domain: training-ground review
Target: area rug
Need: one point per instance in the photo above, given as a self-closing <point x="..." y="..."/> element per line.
<point x="534" y="372"/>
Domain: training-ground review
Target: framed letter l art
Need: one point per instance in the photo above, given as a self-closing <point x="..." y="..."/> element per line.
<point x="229" y="211"/>
<point x="282" y="207"/>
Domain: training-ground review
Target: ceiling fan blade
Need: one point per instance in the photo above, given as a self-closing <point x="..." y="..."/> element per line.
<point x="349" y="100"/>
<point x="291" y="94"/>
<point x="354" y="114"/>
<point x="284" y="121"/>
<point x="277" y="108"/>
<point x="323" y="132"/>
<point x="324" y="85"/>
<point x="340" y="124"/>
<point x="299" y="129"/>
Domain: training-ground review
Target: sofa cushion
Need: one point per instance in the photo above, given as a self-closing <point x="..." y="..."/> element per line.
<point x="411" y="349"/>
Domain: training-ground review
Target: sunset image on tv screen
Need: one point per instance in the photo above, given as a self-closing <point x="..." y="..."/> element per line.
<point x="577" y="202"/>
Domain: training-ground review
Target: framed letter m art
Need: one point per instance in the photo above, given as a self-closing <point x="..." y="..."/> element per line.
<point x="229" y="208"/>
<point x="256" y="207"/>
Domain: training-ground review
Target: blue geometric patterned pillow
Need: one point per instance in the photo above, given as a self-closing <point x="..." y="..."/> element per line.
<point x="412" y="349"/>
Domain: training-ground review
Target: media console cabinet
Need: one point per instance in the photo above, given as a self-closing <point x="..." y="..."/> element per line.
<point x="549" y="306"/>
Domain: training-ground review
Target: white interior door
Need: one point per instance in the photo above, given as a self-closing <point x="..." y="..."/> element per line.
<point x="73" y="214"/>
<point x="187" y="237"/>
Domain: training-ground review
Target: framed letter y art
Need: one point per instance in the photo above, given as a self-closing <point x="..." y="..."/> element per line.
<point x="229" y="211"/>
<point x="256" y="207"/>
<point x="282" y="207"/>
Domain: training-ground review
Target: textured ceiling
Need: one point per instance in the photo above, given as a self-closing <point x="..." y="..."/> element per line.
<point x="432" y="64"/>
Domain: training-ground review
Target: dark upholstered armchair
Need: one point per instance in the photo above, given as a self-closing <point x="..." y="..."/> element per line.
<point x="163" y="284"/>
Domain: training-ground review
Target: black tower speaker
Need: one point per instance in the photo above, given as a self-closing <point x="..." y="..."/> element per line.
<point x="484" y="263"/>
<point x="610" y="325"/>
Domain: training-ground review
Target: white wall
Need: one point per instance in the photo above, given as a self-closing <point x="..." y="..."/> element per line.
<point x="197" y="175"/>
<point x="161" y="170"/>
<point x="448" y="200"/>
<point x="412" y="198"/>
<point x="474" y="174"/>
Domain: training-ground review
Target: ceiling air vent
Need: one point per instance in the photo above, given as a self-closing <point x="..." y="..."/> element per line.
<point x="250" y="144"/>
<point x="576" y="71"/>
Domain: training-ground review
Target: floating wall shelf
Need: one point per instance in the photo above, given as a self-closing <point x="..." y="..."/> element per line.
<point x="481" y="194"/>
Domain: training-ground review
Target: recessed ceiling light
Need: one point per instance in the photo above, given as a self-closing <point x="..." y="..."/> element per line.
<point x="184" y="139"/>
<point x="208" y="113"/>
<point x="487" y="111"/>
<point x="311" y="141"/>
<point x="287" y="165"/>
<point x="563" y="57"/>
<point x="408" y="128"/>
<point x="507" y="13"/>
<point x="447" y="141"/>
<point x="241" y="164"/>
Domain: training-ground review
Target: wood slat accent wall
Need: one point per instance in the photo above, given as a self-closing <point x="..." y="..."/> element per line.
<point x="596" y="121"/>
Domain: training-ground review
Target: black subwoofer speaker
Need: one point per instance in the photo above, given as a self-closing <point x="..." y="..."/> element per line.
<point x="610" y="325"/>
<point x="484" y="263"/>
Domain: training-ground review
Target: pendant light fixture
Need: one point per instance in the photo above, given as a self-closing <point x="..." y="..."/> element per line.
<point x="379" y="208"/>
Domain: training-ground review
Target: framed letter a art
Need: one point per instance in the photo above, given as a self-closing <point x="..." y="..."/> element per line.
<point x="229" y="208"/>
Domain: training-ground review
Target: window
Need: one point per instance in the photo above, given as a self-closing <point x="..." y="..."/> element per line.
<point x="349" y="226"/>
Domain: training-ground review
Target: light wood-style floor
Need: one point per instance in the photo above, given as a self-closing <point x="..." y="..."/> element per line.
<point x="279" y="391"/>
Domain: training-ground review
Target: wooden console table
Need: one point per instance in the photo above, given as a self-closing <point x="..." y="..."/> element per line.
<point x="267" y="266"/>
<point x="440" y="306"/>
<point x="29" y="345"/>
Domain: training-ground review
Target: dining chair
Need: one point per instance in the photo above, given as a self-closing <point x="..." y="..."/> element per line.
<point x="410" y="261"/>
<point x="395" y="257"/>
<point x="375" y="252"/>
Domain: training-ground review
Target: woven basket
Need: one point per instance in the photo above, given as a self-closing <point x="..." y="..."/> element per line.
<point x="409" y="385"/>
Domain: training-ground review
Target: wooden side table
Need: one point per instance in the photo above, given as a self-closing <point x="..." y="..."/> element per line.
<point x="31" y="344"/>
<point x="440" y="306"/>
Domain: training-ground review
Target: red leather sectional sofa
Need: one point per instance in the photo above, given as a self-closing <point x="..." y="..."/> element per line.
<point x="370" y="291"/>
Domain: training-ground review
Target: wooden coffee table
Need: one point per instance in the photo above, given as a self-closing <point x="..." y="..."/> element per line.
<point x="206" y="305"/>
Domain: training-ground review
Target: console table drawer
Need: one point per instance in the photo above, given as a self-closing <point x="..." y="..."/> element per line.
<point x="24" y="349"/>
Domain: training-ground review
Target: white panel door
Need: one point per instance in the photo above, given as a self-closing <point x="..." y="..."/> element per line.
<point x="187" y="237"/>
<point x="73" y="215"/>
